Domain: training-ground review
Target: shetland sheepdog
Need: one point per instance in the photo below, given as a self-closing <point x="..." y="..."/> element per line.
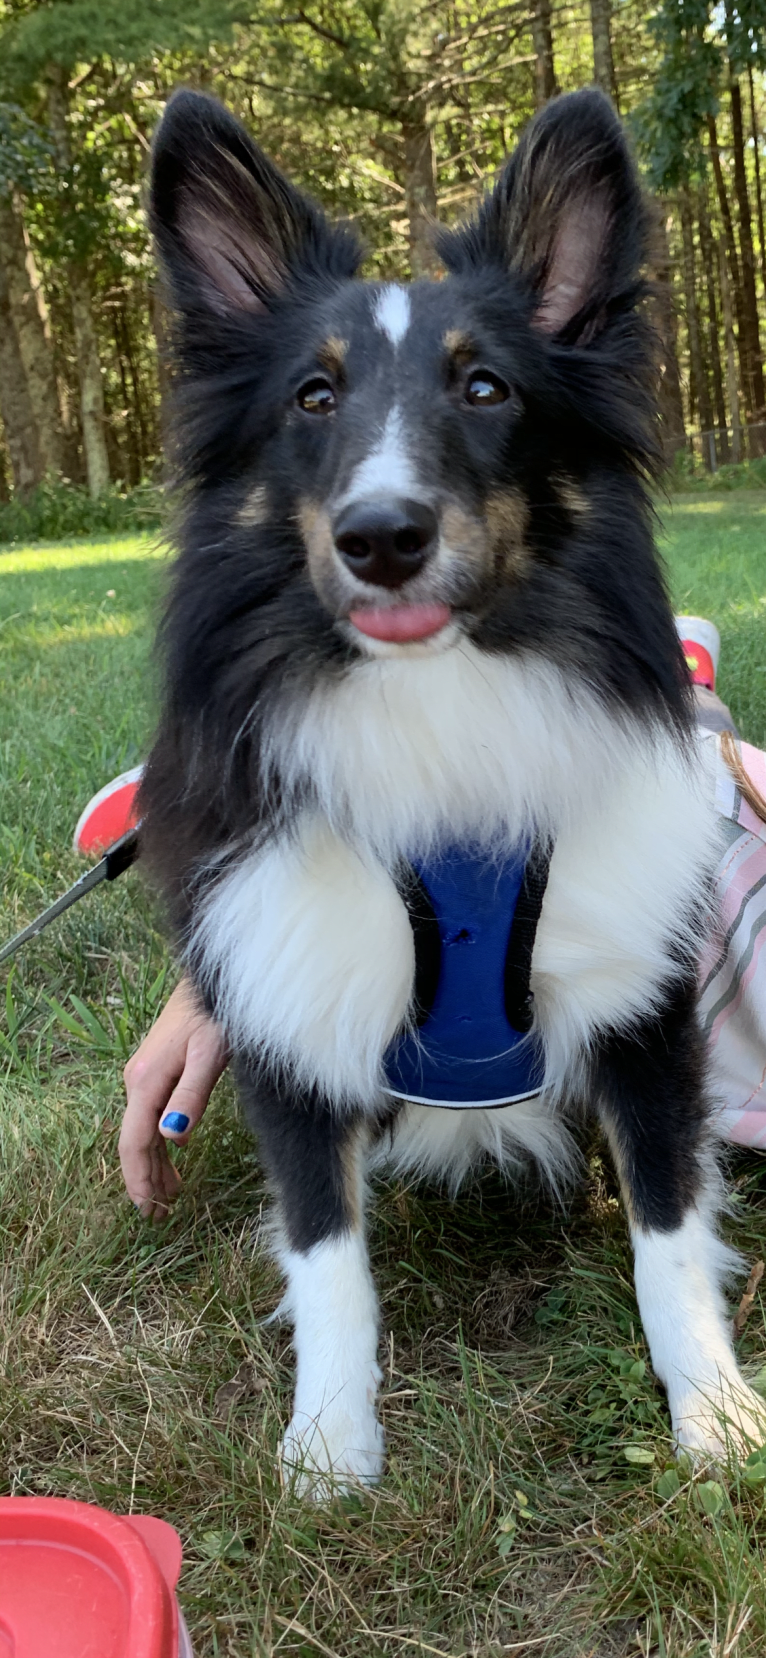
<point x="425" y="803"/>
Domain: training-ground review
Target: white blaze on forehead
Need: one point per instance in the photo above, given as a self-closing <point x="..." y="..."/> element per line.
<point x="392" y="312"/>
<point x="387" y="469"/>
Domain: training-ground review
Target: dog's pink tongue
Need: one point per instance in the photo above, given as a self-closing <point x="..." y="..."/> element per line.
<point x="402" y="621"/>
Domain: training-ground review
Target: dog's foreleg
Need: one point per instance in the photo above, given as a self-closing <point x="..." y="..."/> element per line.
<point x="315" y="1159"/>
<point x="650" y="1083"/>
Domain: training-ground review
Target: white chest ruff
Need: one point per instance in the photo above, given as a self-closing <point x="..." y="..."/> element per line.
<point x="308" y="941"/>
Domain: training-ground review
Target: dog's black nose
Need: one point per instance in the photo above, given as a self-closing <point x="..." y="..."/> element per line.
<point x="386" y="541"/>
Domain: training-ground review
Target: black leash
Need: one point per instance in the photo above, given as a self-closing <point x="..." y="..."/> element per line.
<point x="118" y="858"/>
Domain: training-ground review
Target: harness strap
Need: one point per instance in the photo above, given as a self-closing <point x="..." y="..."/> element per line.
<point x="521" y="942"/>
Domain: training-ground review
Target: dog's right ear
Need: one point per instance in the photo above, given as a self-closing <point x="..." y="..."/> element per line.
<point x="229" y="228"/>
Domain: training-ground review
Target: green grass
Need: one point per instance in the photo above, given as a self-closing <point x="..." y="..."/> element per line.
<point x="716" y="552"/>
<point x="515" y="1516"/>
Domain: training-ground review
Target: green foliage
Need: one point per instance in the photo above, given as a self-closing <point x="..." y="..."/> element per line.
<point x="68" y="32"/>
<point x="26" y="152"/>
<point x="670" y="121"/>
<point x="115" y="1034"/>
<point x="745" y="32"/>
<point x="80" y="217"/>
<point x="710" y="1497"/>
<point x="56" y="509"/>
<point x="754" y="1471"/>
<point x="396" y="58"/>
<point x="689" y="474"/>
<point x="668" y="1485"/>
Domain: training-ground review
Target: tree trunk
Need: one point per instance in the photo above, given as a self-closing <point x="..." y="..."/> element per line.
<point x="29" y="316"/>
<point x="731" y="359"/>
<point x="542" y="41"/>
<point x="754" y="364"/>
<point x="420" y="194"/>
<point x="758" y="190"/>
<point x="671" y="403"/>
<point x="709" y="266"/>
<point x="92" y="418"/>
<point x="136" y="434"/>
<point x="735" y="287"/>
<point x="603" y="61"/>
<point x="5" y="467"/>
<point x="699" y="391"/>
<point x="16" y="411"/>
<point x="91" y="384"/>
<point x="161" y="332"/>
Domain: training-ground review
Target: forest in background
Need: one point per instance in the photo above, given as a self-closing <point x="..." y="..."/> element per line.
<point x="390" y="112"/>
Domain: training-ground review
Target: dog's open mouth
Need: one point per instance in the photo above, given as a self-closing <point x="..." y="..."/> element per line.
<point x="399" y="623"/>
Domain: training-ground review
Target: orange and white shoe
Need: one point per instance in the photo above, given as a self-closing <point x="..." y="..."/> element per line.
<point x="701" y="645"/>
<point x="110" y="814"/>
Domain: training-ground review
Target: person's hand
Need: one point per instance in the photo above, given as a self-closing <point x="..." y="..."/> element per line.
<point x="168" y="1081"/>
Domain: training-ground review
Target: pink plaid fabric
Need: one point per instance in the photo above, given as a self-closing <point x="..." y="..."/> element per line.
<point x="733" y="968"/>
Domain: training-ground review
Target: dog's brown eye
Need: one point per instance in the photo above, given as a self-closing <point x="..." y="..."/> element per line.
<point x="484" y="389"/>
<point x="317" y="397"/>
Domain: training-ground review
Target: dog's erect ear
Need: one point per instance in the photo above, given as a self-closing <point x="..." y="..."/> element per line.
<point x="229" y="227"/>
<point x="566" y="214"/>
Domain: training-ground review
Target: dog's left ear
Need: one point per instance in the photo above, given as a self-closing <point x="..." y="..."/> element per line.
<point x="566" y="215"/>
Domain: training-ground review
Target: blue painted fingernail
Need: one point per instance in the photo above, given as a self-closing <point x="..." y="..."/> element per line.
<point x="176" y="1122"/>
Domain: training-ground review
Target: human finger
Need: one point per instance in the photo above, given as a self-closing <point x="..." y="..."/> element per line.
<point x="205" y="1061"/>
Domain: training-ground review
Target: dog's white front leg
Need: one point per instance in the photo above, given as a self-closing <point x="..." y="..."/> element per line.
<point x="334" y="1439"/>
<point x="678" y="1275"/>
<point x="651" y="1082"/>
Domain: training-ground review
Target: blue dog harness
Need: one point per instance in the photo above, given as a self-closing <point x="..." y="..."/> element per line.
<point x="474" y="919"/>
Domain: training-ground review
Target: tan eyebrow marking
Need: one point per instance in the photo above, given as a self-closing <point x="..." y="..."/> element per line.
<point x="459" y="344"/>
<point x="332" y="354"/>
<point x="254" y="509"/>
<point x="571" y="496"/>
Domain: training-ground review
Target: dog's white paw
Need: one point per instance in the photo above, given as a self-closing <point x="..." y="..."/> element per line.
<point x="334" y="1452"/>
<point x="720" y="1425"/>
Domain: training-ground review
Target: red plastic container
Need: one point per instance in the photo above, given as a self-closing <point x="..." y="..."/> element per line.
<point x="78" y="1582"/>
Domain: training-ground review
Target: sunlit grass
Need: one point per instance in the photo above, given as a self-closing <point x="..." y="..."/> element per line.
<point x="515" y="1517"/>
<point x="57" y="555"/>
<point x="748" y="502"/>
